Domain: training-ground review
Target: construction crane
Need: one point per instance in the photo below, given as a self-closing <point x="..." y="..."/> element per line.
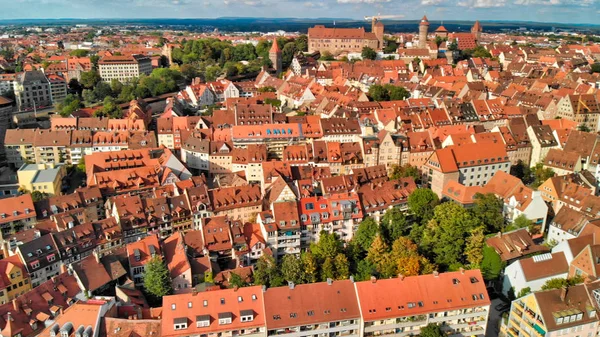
<point x="383" y="17"/>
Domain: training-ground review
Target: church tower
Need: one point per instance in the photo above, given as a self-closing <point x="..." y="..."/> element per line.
<point x="476" y="30"/>
<point x="423" y="28"/>
<point x="276" y="57"/>
<point x="377" y="28"/>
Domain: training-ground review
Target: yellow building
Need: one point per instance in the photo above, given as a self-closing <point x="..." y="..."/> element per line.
<point x="14" y="280"/>
<point x="46" y="178"/>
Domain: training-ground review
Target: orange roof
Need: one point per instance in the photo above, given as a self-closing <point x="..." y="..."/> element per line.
<point x="297" y="305"/>
<point x="419" y="295"/>
<point x="209" y="307"/>
<point x="140" y="252"/>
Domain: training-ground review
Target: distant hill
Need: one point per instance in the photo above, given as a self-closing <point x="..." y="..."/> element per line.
<point x="231" y="24"/>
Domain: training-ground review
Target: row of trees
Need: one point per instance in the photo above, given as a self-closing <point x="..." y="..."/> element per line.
<point x="431" y="236"/>
<point x="91" y="90"/>
<point x="209" y="58"/>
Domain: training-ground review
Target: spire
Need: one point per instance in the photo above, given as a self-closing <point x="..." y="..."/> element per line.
<point x="424" y="20"/>
<point x="275" y="47"/>
<point x="477" y="26"/>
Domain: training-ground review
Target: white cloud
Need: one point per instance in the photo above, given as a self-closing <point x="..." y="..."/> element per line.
<point x="482" y="3"/>
<point x="361" y="1"/>
<point x="538" y="2"/>
<point x="431" y="2"/>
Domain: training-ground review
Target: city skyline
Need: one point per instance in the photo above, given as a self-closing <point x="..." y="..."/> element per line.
<point x="559" y="11"/>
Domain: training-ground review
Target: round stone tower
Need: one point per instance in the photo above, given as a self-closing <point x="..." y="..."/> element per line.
<point x="423" y="29"/>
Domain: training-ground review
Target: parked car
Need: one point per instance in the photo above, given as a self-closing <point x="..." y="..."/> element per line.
<point x="502" y="307"/>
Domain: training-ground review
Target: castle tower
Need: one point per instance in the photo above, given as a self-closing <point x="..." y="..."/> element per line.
<point x="276" y="57"/>
<point x="377" y="28"/>
<point x="476" y="30"/>
<point x="423" y="28"/>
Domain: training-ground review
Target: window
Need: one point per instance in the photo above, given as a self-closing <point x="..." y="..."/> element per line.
<point x="173" y="306"/>
<point x="189" y="304"/>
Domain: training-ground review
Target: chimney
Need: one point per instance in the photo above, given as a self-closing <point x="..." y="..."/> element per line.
<point x="401" y="277"/>
<point x="329" y="281"/>
<point x="352" y="278"/>
<point x="16" y="305"/>
<point x="373" y="279"/>
<point x="264" y="288"/>
<point x="53" y="278"/>
<point x="235" y="288"/>
<point x="436" y="273"/>
<point x="462" y="270"/>
<point x="563" y="293"/>
<point x="291" y="284"/>
<point x="194" y="291"/>
<point x="63" y="268"/>
<point x="96" y="256"/>
<point x="138" y="310"/>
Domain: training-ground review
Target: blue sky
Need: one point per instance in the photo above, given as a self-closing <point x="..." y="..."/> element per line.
<point x="568" y="11"/>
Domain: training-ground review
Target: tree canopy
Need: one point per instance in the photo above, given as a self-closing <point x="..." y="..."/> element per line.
<point x="388" y="92"/>
<point x="157" y="280"/>
<point x="368" y="53"/>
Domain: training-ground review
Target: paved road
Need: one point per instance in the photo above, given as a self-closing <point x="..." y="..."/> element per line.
<point x="493" y="326"/>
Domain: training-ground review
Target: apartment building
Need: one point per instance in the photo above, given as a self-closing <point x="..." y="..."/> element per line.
<point x="17" y="214"/>
<point x="229" y="312"/>
<point x="124" y="68"/>
<point x="319" y="309"/>
<point x="469" y="164"/>
<point x="15" y="279"/>
<point x="41" y="258"/>
<point x="139" y="254"/>
<point x="569" y="312"/>
<point x="45" y="178"/>
<point x="58" y="88"/>
<point x="402" y="306"/>
<point x="32" y="91"/>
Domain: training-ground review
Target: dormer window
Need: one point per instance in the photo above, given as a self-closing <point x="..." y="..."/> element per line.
<point x="246" y="315"/>
<point x="225" y="318"/>
<point x="180" y="323"/>
<point x="202" y="321"/>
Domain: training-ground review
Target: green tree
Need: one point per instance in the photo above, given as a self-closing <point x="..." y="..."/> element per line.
<point x="405" y="171"/>
<point x="70" y="104"/>
<point x="596" y="67"/>
<point x="38" y="196"/>
<point x="311" y="268"/>
<point x="327" y="248"/>
<point x="364" y="270"/>
<point x="378" y="93"/>
<point x="236" y="281"/>
<point x="188" y="71"/>
<point x="520" y="222"/>
<point x="81" y="165"/>
<point x="301" y="43"/>
<point x="445" y="235"/>
<point x="522" y="171"/>
<point x="266" y="272"/>
<point x="115" y="87"/>
<point x="157" y="280"/>
<point x="474" y="247"/>
<point x="432" y="330"/>
<point x="488" y="209"/>
<point x="541" y="174"/>
<point x="379" y="255"/>
<point x="287" y="54"/>
<point x="327" y="269"/>
<point x="89" y="79"/>
<point x="524" y="291"/>
<point x="396" y="93"/>
<point x="342" y="268"/>
<point x="368" y="53"/>
<point x="393" y="224"/>
<point x="491" y="264"/>
<point x="110" y="108"/>
<point x="391" y="47"/>
<point x="79" y="53"/>
<point x="326" y="56"/>
<point x="422" y="203"/>
<point x="292" y="269"/>
<point x="366" y="233"/>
